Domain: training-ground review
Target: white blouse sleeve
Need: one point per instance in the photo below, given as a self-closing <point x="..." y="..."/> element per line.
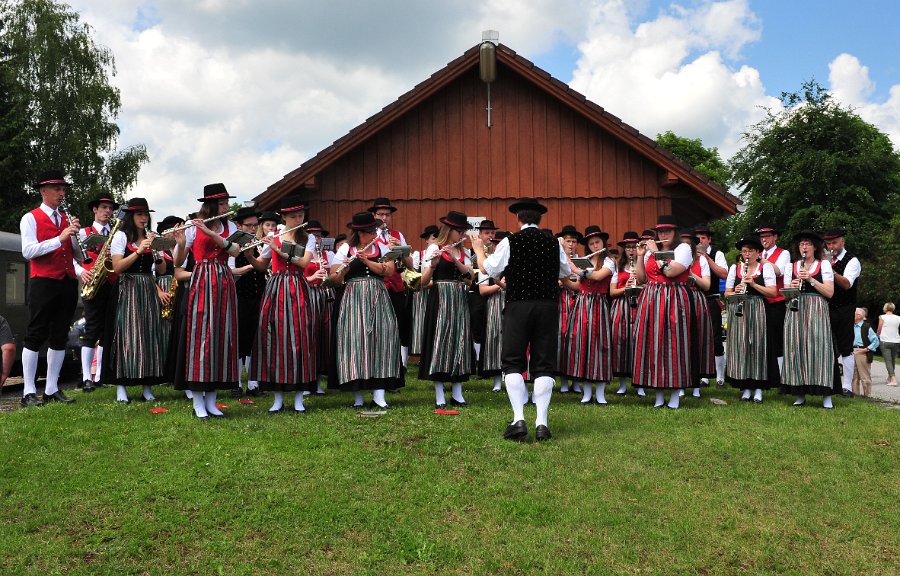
<point x="683" y="255"/>
<point x="311" y="244"/>
<point x="342" y="254"/>
<point x="732" y="277"/>
<point x="118" y="244"/>
<point x="704" y="269"/>
<point x="429" y="252"/>
<point x="827" y="271"/>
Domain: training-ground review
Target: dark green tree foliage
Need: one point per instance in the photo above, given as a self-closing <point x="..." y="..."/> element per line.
<point x="698" y="157"/>
<point x="881" y="275"/>
<point x="817" y="165"/>
<point x="63" y="105"/>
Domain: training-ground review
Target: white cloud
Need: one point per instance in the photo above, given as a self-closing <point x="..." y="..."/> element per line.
<point x="851" y="86"/>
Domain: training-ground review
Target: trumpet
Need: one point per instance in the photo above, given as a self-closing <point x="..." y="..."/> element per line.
<point x="187" y="225"/>
<point x="631" y="284"/>
<point x="81" y="245"/>
<point x="794" y="306"/>
<point x="149" y="235"/>
<point x="745" y="266"/>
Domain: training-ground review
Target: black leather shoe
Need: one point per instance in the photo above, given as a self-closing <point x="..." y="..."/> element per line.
<point x="847" y="393"/>
<point x="271" y="412"/>
<point x="88" y="386"/>
<point x="376" y="406"/>
<point x="202" y="417"/>
<point x="440" y="406"/>
<point x="237" y="392"/>
<point x="462" y="404"/>
<point x="126" y="401"/>
<point x="57" y="396"/>
<point x="542" y="433"/>
<point x="516" y="431"/>
<point x="31" y="400"/>
<point x="254" y="392"/>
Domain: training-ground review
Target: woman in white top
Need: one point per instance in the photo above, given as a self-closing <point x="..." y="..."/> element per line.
<point x="889" y="334"/>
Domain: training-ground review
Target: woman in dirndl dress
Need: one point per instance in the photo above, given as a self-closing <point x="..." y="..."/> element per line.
<point x="321" y="298"/>
<point x="662" y="354"/>
<point x="164" y="281"/>
<point x="284" y="351"/>
<point x="750" y="361"/>
<point x="569" y="237"/>
<point x="211" y="361"/>
<point x="622" y="312"/>
<point x="420" y="297"/>
<point x="703" y="352"/>
<point x="809" y="359"/>
<point x="589" y="358"/>
<point x="494" y="292"/>
<point x="367" y="343"/>
<point x="136" y="357"/>
<point x="447" y="350"/>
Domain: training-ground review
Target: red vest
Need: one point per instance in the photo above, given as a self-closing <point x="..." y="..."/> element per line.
<point x="56" y="264"/>
<point x="654" y="274"/>
<point x="779" y="280"/>
<point x="279" y="264"/>
<point x="394" y="282"/>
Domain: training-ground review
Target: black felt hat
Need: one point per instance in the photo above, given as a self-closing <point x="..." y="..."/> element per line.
<point x="689" y="233"/>
<point x="768" y="229"/>
<point x="500" y="236"/>
<point x="593" y="231"/>
<point x="629" y="237"/>
<point x="364" y="221"/>
<point x="665" y="221"/>
<point x="833" y="233"/>
<point x="52" y="178"/>
<point x="809" y="235"/>
<point x="456" y="220"/>
<point x="430" y="230"/>
<point x="486" y="225"/>
<point x="169" y="222"/>
<point x="569" y="230"/>
<point x="315" y="226"/>
<point x="527" y="204"/>
<point x="269" y="215"/>
<point x="138" y="205"/>
<point x="215" y="191"/>
<point x="648" y="234"/>
<point x="245" y="212"/>
<point x="380" y="203"/>
<point x="752" y="241"/>
<point x="292" y="204"/>
<point x="702" y="229"/>
<point x="100" y="198"/>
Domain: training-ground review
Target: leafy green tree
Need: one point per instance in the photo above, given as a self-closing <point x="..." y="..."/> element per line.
<point x="816" y="165"/>
<point x="697" y="156"/>
<point x="60" y="107"/>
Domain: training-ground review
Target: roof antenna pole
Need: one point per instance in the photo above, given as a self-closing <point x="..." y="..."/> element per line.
<point x="487" y="55"/>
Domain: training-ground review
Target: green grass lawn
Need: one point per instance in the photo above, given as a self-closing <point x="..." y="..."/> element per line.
<point x="99" y="488"/>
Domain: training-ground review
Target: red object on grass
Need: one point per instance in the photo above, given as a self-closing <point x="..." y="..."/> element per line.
<point x="245" y="401"/>
<point x="446" y="412"/>
<point x="158" y="410"/>
<point x="221" y="406"/>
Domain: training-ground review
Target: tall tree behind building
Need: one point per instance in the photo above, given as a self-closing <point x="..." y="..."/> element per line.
<point x="60" y="106"/>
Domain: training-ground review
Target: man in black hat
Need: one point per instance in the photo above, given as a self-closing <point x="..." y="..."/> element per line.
<point x="47" y="236"/>
<point x="532" y="264"/>
<point x="388" y="236"/>
<point x="842" y="306"/>
<point x="718" y="268"/>
<point x="569" y="238"/>
<point x="250" y="284"/>
<point x="96" y="308"/>
<point x="486" y="231"/>
<point x="780" y="259"/>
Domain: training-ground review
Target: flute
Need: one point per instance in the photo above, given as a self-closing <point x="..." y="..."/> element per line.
<point x="190" y="224"/>
<point x="262" y="241"/>
<point x="350" y="260"/>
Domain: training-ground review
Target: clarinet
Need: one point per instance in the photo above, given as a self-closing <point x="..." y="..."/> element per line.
<point x="794" y="306"/>
<point x="745" y="268"/>
<point x="84" y="250"/>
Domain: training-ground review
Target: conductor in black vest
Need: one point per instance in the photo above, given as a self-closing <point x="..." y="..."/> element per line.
<point x="532" y="263"/>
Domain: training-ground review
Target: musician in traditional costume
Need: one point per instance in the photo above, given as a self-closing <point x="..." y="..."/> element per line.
<point x="662" y="354"/>
<point x="211" y="362"/>
<point x="589" y="359"/>
<point x="842" y="306"/>
<point x="718" y="268"/>
<point x="532" y="264"/>
<point x="250" y="284"/>
<point x="136" y="359"/>
<point x="367" y="350"/>
<point x="47" y="233"/>
<point x="322" y="299"/>
<point x="391" y="237"/>
<point x="702" y="345"/>
<point x="447" y="334"/>
<point x="420" y="297"/>
<point x="494" y="293"/>
<point x="477" y="311"/>
<point x="750" y="359"/>
<point x="95" y="308"/>
<point x="810" y="366"/>
<point x="780" y="259"/>
<point x="622" y="311"/>
<point x="569" y="238"/>
<point x="167" y="283"/>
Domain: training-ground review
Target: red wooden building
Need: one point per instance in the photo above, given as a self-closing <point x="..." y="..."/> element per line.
<point x="432" y="151"/>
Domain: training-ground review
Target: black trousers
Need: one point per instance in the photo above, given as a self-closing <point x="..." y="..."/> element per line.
<point x="775" y="326"/>
<point x="477" y="316"/>
<point x="95" y="315"/>
<point x="401" y="310"/>
<point x="51" y="304"/>
<point x="715" y="311"/>
<point x="842" y="320"/>
<point x="530" y="327"/>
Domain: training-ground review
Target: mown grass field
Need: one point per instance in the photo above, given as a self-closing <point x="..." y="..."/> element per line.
<point x="99" y="488"/>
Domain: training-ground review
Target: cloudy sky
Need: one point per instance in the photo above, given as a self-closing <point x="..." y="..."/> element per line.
<point x="243" y="91"/>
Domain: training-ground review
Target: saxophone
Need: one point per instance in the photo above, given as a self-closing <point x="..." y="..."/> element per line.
<point x="169" y="309"/>
<point x="103" y="266"/>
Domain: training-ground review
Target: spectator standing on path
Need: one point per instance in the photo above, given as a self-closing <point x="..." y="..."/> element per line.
<point x="889" y="334"/>
<point x="8" y="348"/>
<point x="865" y="342"/>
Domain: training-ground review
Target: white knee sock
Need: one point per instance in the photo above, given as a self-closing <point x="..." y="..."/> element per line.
<point x="849" y="367"/>
<point x="801" y="400"/>
<point x="757" y="394"/>
<point x="696" y="393"/>
<point x="681" y="392"/>
<point x="148" y="394"/>
<point x="378" y="397"/>
<point x="456" y="392"/>
<point x="745" y="394"/>
<point x="29" y="370"/>
<point x="189" y="394"/>
<point x="319" y="389"/>
<point x="439" y="393"/>
<point x="404" y="354"/>
<point x="211" y="403"/>
<point x="780" y="363"/>
<point x="720" y="368"/>
<point x="623" y="385"/>
<point x="240" y="369"/>
<point x="675" y="399"/>
<point x="543" y="389"/>
<point x="518" y="395"/>
<point x="87" y="358"/>
<point x="121" y="394"/>
<point x="55" y="359"/>
<point x="575" y="386"/>
<point x="252" y="385"/>
<point x="298" y="402"/>
<point x="199" y="403"/>
<point x="278" y="402"/>
<point x="99" y="363"/>
<point x="826" y="402"/>
<point x="498" y="383"/>
<point x="660" y="399"/>
<point x="563" y="384"/>
<point x="601" y="393"/>
<point x="477" y="351"/>
<point x="588" y="393"/>
<point x="358" y="400"/>
<point x="641" y="391"/>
